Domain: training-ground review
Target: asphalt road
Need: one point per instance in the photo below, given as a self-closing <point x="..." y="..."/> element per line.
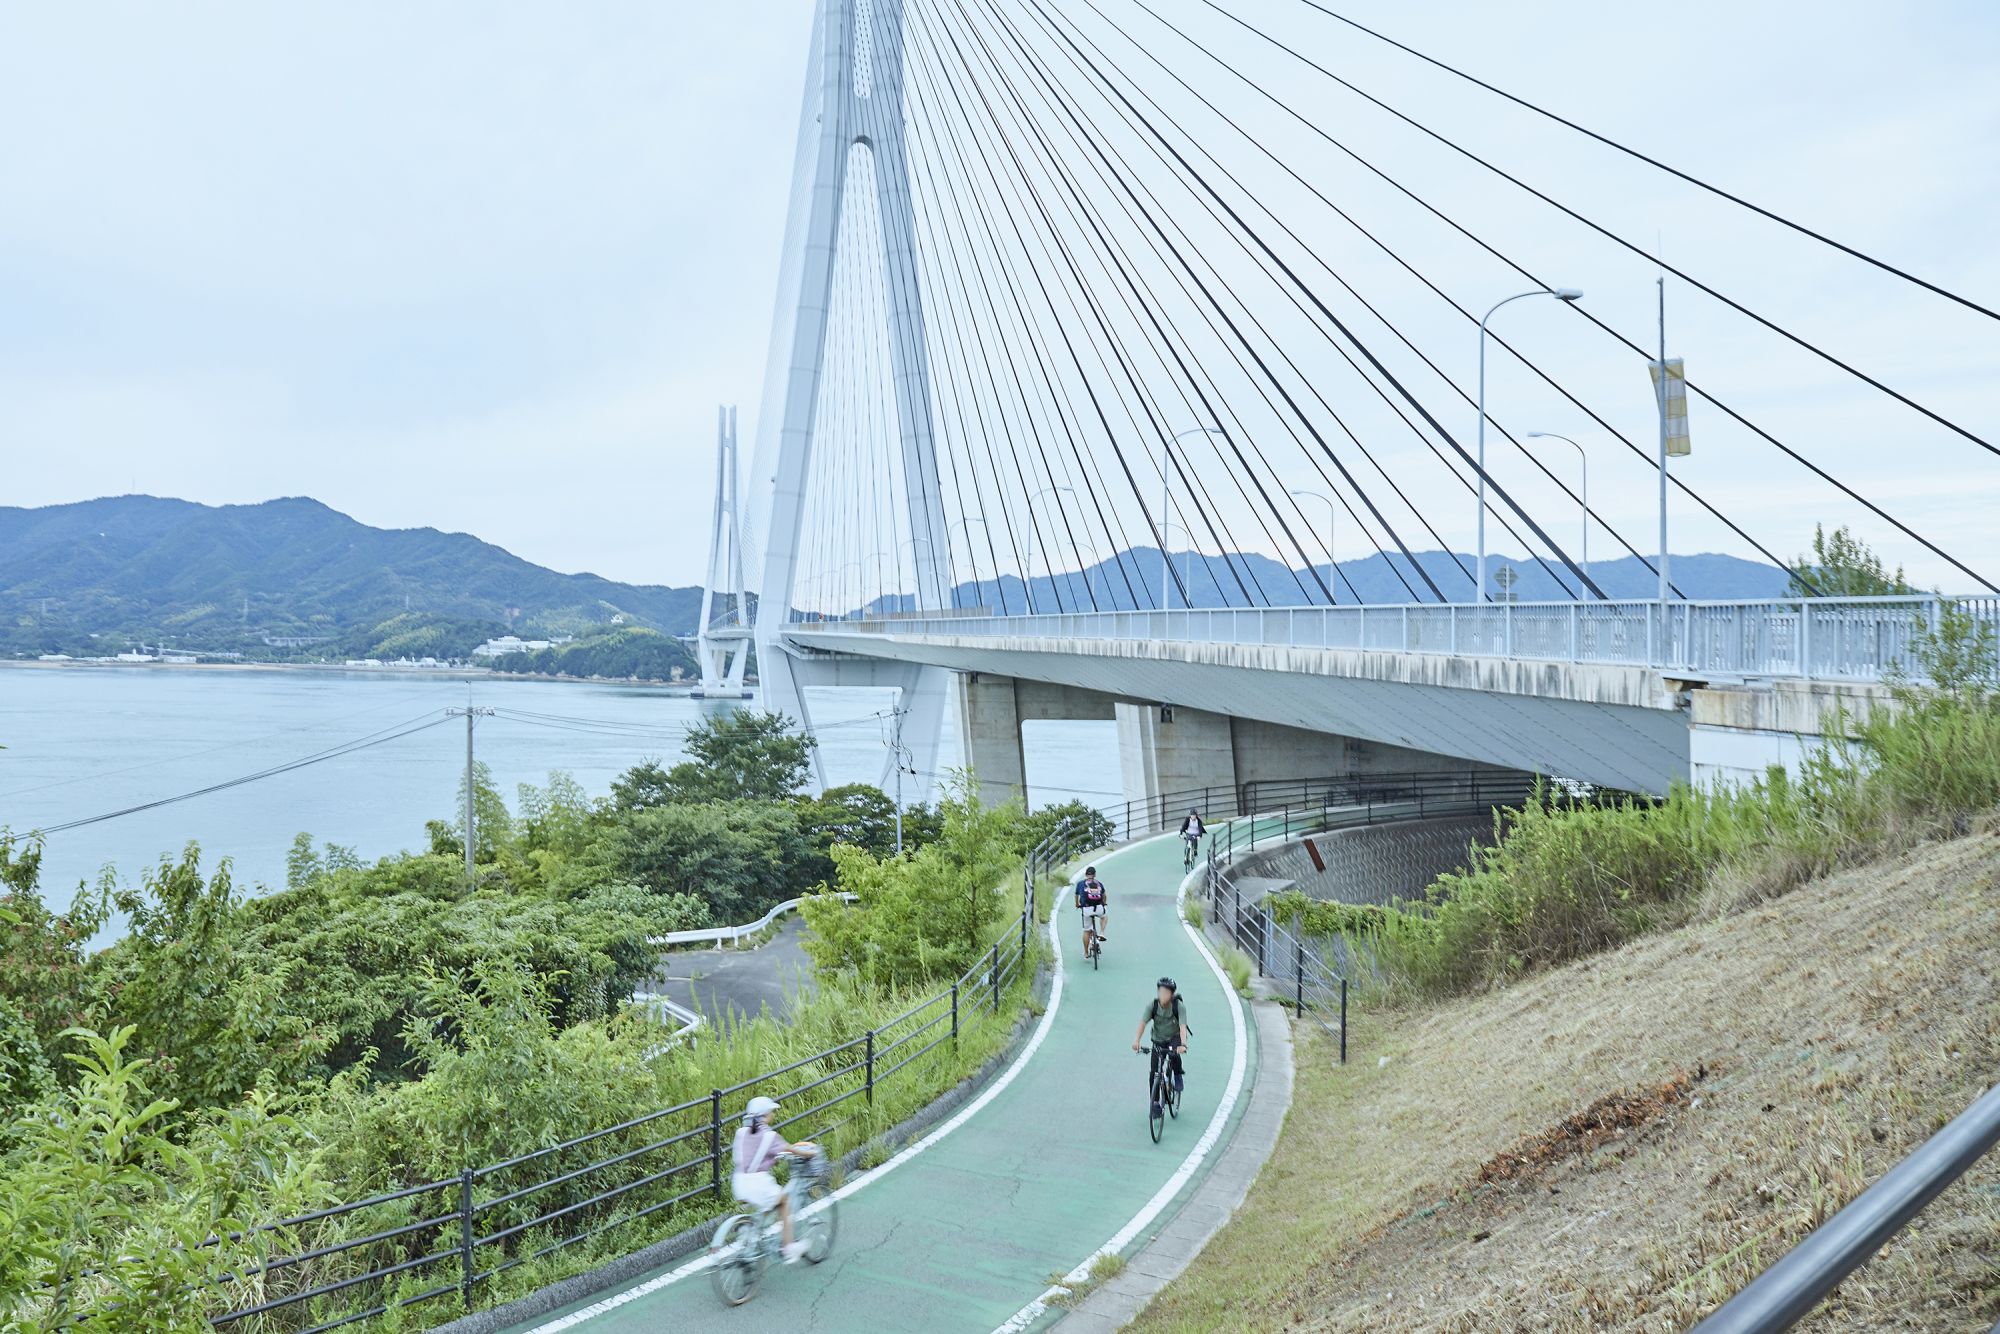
<point x="722" y="984"/>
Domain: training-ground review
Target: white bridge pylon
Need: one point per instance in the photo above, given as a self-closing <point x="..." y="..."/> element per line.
<point x="853" y="105"/>
<point x="723" y="643"/>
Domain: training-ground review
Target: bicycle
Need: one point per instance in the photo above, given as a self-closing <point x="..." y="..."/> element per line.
<point x="1163" y="1099"/>
<point x="743" y="1243"/>
<point x="1191" y="850"/>
<point x="1093" y="945"/>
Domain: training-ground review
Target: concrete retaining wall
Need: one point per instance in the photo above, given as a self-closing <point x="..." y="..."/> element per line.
<point x="1372" y="864"/>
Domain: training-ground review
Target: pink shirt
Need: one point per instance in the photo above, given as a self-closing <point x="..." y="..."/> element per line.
<point x="757" y="1150"/>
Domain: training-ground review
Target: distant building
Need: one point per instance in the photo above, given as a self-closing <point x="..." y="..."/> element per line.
<point x="135" y="657"/>
<point x="506" y="644"/>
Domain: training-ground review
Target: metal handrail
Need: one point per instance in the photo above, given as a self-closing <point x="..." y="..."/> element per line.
<point x="1841" y="638"/>
<point x="1786" y="1292"/>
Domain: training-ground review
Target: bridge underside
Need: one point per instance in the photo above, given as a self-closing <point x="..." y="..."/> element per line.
<point x="1614" y="726"/>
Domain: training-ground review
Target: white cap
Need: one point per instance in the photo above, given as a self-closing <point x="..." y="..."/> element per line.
<point x="761" y="1106"/>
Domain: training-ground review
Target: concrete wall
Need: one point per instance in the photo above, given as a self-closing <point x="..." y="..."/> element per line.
<point x="1738" y="733"/>
<point x="1375" y="863"/>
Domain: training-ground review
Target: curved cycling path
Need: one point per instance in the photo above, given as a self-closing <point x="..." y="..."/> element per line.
<point x="964" y="1230"/>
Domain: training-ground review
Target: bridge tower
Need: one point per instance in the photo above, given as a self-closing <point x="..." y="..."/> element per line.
<point x="853" y="106"/>
<point x="723" y="642"/>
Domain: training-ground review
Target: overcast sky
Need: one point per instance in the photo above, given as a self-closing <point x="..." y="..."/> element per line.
<point x="490" y="267"/>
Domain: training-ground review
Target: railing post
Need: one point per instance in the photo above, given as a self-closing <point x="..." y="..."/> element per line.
<point x="1343" y="1021"/>
<point x="869" y="1077"/>
<point x="465" y="1259"/>
<point x="1575" y="649"/>
<point x="1805" y="639"/>
<point x="715" y="1141"/>
<point x="954" y="1014"/>
<point x="1299" y="969"/>
<point x="994" y="973"/>
<point x="1507" y="628"/>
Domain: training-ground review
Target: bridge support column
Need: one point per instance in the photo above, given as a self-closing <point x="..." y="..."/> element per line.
<point x="989" y="735"/>
<point x="991" y="710"/>
<point x="1163" y="750"/>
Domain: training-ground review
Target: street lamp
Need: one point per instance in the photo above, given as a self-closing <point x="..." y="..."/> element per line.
<point x="1166" y="499"/>
<point x="1332" y="565"/>
<point x="1187" y="558"/>
<point x="1560" y="294"/>
<point x="1045" y="491"/>
<point x="1583" y="492"/>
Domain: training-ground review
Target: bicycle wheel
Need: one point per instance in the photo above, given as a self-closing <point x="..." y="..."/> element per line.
<point x="1096" y="953"/>
<point x="1173" y="1099"/>
<point x="736" y="1259"/>
<point x="1156" y="1117"/>
<point x="817" y="1230"/>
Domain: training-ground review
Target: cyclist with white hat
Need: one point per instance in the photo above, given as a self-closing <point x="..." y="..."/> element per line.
<point x="757" y="1148"/>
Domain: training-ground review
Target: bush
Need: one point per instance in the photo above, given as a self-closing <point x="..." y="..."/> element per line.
<point x="1567" y="878"/>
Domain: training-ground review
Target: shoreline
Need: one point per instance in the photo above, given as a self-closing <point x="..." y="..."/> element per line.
<point x="341" y="669"/>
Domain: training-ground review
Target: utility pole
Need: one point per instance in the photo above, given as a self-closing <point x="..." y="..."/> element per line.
<point x="896" y="746"/>
<point x="471" y="834"/>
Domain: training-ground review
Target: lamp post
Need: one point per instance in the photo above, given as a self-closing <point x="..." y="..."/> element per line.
<point x="1583" y="491"/>
<point x="1560" y="294"/>
<point x="1332" y="565"/>
<point x="1187" y="576"/>
<point x="1045" y="491"/>
<point x="1166" y="498"/>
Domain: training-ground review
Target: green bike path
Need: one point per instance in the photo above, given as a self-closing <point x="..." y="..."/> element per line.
<point x="964" y="1230"/>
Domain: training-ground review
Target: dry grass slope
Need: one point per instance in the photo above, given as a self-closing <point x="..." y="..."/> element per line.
<point x="1681" y="1111"/>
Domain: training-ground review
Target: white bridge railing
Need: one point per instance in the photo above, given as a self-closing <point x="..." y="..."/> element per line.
<point x="1849" y="639"/>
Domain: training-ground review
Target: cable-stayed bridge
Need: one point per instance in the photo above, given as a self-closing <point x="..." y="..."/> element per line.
<point x="1080" y="298"/>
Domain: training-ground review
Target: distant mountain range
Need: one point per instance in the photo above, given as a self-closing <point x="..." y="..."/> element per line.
<point x="1133" y="579"/>
<point x="286" y="578"/>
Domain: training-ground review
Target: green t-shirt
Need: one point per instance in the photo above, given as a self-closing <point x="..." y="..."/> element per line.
<point x="1166" y="1020"/>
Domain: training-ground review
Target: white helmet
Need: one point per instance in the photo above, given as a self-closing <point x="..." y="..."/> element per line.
<point x="760" y="1106"/>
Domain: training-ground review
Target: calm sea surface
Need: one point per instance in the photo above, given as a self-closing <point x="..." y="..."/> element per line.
<point x="84" y="741"/>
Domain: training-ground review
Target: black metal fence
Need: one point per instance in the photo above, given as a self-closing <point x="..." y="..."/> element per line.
<point x="1315" y="973"/>
<point x="1304" y="796"/>
<point x="428" y="1242"/>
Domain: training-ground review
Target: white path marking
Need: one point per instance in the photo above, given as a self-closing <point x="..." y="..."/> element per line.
<point x="1140" y="1221"/>
<point x="964" y="1114"/>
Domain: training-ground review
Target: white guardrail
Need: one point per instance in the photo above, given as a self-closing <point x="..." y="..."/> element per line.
<point x="719" y="935"/>
<point x="1852" y="639"/>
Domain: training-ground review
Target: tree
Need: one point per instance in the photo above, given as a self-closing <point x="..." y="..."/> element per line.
<point x="860" y="815"/>
<point x="644" y="785"/>
<point x="926" y="915"/>
<point x="216" y="1017"/>
<point x="745" y="756"/>
<point x="1841" y="565"/>
<point x="738" y="857"/>
<point x="494" y="826"/>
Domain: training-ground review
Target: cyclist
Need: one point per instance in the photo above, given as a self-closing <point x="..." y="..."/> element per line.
<point x="757" y="1147"/>
<point x="1167" y="1017"/>
<point x="1093" y="899"/>
<point x="1192" y="829"/>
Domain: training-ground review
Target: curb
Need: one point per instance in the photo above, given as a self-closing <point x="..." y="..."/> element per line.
<point x="1179" y="1239"/>
<point x="662" y="1254"/>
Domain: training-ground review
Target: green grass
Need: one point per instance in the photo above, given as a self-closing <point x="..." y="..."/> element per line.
<point x="1191" y="911"/>
<point x="1239" y="967"/>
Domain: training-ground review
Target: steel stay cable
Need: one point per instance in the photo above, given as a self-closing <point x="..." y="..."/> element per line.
<point x="1210" y="515"/>
<point x="1692" y="386"/>
<point x="1078" y="206"/>
<point x="1492" y="483"/>
<point x="1064" y="405"/>
<point x="1532" y="457"/>
<point x="1156" y="246"/>
<point x="1379" y="244"/>
<point x="1262" y="264"/>
<point x="1296" y="410"/>
<point x="1610" y="235"/>
<point x="1655" y="162"/>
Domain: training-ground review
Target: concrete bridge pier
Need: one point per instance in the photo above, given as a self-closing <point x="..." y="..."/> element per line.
<point x="991" y="710"/>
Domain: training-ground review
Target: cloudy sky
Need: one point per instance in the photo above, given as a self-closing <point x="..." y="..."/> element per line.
<point x="491" y="267"/>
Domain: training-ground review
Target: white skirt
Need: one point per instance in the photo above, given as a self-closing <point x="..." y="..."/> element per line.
<point x="759" y="1190"/>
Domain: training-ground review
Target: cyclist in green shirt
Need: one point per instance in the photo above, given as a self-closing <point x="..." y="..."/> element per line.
<point x="1167" y="1017"/>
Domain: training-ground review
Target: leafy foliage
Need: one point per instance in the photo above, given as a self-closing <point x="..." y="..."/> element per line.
<point x="925" y="915"/>
<point x="630" y="652"/>
<point x="1841" y="565"/>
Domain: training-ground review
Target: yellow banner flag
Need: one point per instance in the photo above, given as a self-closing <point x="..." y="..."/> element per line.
<point x="1676" y="406"/>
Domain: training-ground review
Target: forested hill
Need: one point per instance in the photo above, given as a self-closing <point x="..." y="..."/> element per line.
<point x="140" y="568"/>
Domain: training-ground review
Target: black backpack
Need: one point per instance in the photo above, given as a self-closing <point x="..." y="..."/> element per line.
<point x="1153" y="1010"/>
